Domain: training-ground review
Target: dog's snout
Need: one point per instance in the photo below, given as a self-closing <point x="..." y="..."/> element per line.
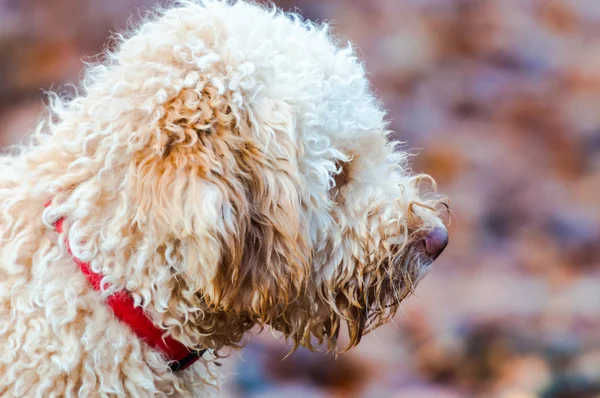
<point x="436" y="241"/>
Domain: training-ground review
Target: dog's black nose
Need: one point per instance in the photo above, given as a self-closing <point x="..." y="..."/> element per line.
<point x="436" y="241"/>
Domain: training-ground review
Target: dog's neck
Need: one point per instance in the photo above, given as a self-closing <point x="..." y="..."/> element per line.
<point x="164" y="291"/>
<point x="180" y="357"/>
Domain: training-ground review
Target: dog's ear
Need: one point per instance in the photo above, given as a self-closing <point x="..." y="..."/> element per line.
<point x="222" y="180"/>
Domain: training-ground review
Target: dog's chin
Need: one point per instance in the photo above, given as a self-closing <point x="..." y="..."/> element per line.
<point x="395" y="279"/>
<point x="424" y="263"/>
<point x="409" y="268"/>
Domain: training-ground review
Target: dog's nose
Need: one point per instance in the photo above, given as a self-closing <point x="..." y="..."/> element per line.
<point x="436" y="241"/>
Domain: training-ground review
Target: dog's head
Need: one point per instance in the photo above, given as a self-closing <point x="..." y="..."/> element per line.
<point x="246" y="177"/>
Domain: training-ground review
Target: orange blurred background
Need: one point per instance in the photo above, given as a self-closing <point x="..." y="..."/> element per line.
<point x="502" y="99"/>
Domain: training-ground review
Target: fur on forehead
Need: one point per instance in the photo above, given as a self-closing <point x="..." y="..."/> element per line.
<point x="199" y="163"/>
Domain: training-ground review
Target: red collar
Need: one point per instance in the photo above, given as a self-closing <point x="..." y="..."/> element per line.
<point x="179" y="356"/>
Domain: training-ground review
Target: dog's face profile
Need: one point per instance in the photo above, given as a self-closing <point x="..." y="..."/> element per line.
<point x="246" y="177"/>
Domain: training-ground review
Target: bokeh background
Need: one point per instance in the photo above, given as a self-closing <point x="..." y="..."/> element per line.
<point x="502" y="99"/>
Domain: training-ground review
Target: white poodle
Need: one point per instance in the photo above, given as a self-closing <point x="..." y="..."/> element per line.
<point x="226" y="166"/>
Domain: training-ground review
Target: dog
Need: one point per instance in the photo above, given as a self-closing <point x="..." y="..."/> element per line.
<point x="226" y="166"/>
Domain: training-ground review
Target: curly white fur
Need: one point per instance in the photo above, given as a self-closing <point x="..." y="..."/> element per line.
<point x="227" y="165"/>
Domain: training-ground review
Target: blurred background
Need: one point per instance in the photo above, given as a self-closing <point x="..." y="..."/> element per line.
<point x="502" y="98"/>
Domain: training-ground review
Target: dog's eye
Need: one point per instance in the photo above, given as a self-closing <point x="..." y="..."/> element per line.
<point x="343" y="176"/>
